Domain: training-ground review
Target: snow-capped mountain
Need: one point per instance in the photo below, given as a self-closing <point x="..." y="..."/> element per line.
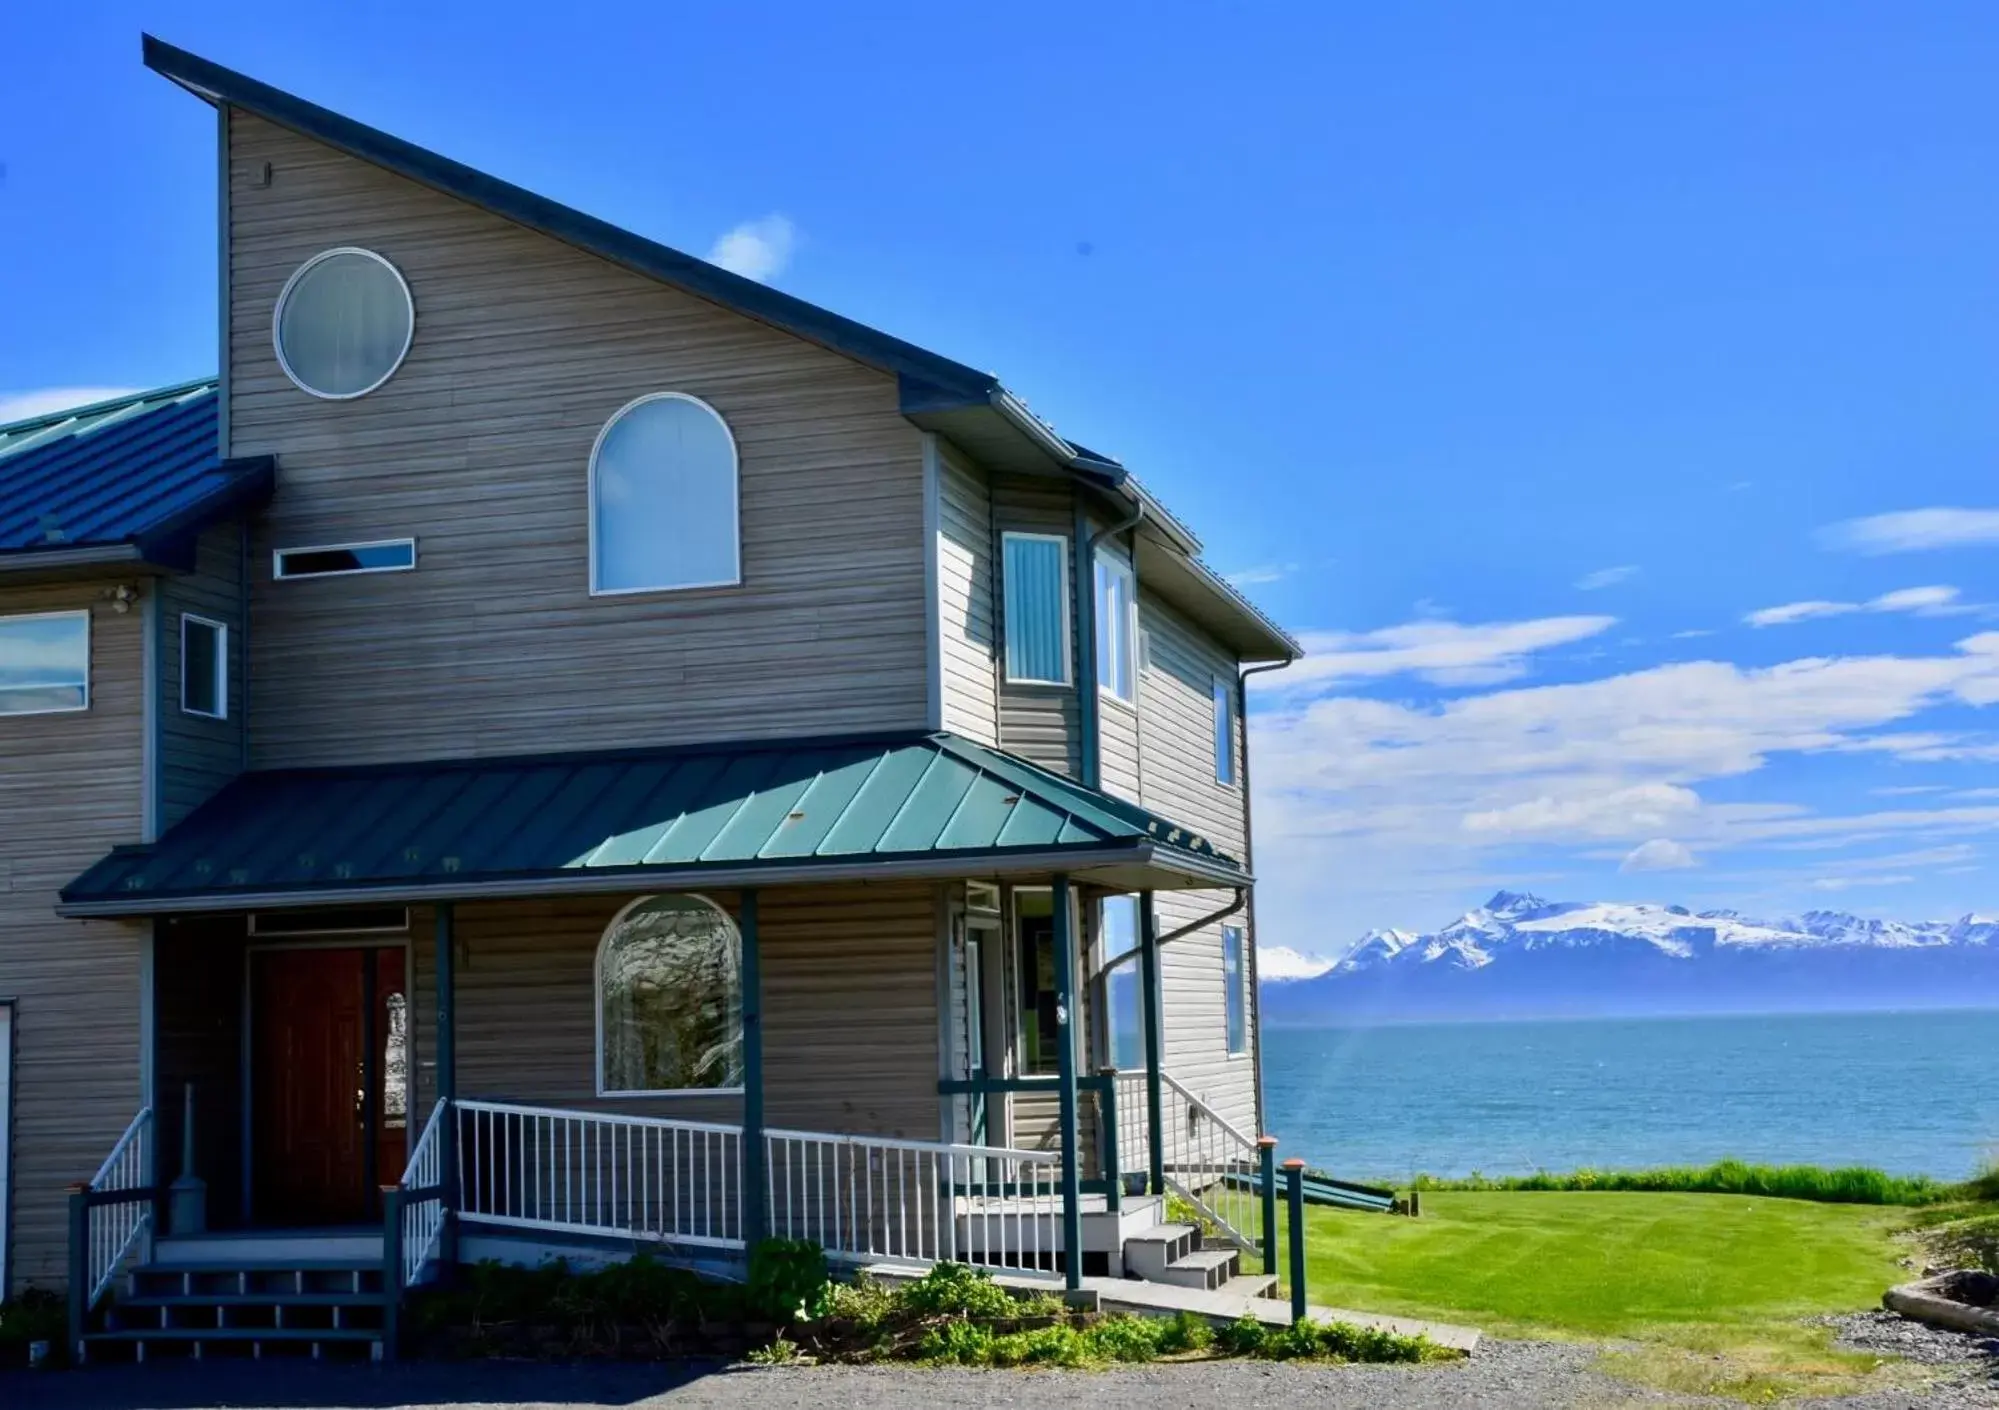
<point x="1520" y="955"/>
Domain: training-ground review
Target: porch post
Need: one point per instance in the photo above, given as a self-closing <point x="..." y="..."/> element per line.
<point x="1150" y="1000"/>
<point x="1065" y="1047"/>
<point x="754" y="1196"/>
<point x="447" y="1089"/>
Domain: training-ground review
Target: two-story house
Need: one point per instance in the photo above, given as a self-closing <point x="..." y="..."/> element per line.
<point x="559" y="746"/>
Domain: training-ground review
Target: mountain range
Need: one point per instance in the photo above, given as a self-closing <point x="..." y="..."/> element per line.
<point x="1519" y="956"/>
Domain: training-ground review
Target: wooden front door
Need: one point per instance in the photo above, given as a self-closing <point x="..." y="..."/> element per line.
<point x="327" y="1125"/>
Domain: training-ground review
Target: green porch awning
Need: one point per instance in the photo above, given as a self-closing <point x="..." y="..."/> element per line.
<point x="711" y="815"/>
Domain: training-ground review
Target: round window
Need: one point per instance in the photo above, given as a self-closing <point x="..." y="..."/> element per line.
<point x="343" y="324"/>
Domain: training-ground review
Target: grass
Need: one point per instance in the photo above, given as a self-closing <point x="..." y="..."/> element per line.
<point x="1857" y="1184"/>
<point x="1711" y="1291"/>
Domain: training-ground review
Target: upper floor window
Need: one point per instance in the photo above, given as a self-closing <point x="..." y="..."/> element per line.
<point x="204" y="667"/>
<point x="1124" y="1027"/>
<point x="1036" y="573"/>
<point x="343" y="324"/>
<point x="669" y="999"/>
<point x="1117" y="629"/>
<point x="44" y="663"/>
<point x="1224" y="730"/>
<point x="1235" y="989"/>
<point x="335" y="559"/>
<point x="663" y="498"/>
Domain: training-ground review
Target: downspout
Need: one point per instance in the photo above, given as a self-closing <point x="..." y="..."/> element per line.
<point x="1249" y="862"/>
<point x="1242" y="898"/>
<point x="1086" y="636"/>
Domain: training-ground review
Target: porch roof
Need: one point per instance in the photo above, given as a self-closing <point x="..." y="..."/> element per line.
<point x="760" y="813"/>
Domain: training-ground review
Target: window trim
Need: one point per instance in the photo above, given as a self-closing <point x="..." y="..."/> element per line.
<point x="1241" y="934"/>
<point x="284" y="296"/>
<point x="1129" y="572"/>
<point x="1224" y="731"/>
<point x="89" y="629"/>
<point x="1067" y="597"/>
<point x="278" y="556"/>
<point x="597" y="994"/>
<point x="221" y="711"/>
<point x="735" y="497"/>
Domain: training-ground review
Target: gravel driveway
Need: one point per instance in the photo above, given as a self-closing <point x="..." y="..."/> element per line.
<point x="1503" y="1374"/>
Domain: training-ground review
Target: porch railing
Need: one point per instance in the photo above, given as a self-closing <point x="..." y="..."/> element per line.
<point x="109" y="1217"/>
<point x="876" y="1200"/>
<point x="633" y="1177"/>
<point x="422" y="1202"/>
<point x="1214" y="1167"/>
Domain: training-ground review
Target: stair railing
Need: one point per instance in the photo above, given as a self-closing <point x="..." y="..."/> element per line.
<point x="1214" y="1167"/>
<point x="109" y="1217"/>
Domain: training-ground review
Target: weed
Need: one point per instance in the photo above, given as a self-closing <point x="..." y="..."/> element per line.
<point x="1185" y="1333"/>
<point x="779" y="1353"/>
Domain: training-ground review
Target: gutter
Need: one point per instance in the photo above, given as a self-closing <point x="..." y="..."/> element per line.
<point x="1242" y="898"/>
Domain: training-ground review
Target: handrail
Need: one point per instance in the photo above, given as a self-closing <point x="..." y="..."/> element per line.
<point x="1212" y="1165"/>
<point x="928" y="1147"/>
<point x="996" y="1086"/>
<point x="416" y="1215"/>
<point x="134" y="1131"/>
<point x="611" y="1118"/>
<point x="108" y="1217"/>
<point x="1208" y="1113"/>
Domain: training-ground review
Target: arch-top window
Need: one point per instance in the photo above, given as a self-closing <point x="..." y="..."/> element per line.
<point x="669" y="999"/>
<point x="343" y="323"/>
<point x="663" y="498"/>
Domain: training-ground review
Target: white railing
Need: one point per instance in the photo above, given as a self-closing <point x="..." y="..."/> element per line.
<point x="423" y="1216"/>
<point x="871" y="1199"/>
<point x="1211" y="1165"/>
<point x="1134" y="1124"/>
<point x="635" y="1177"/>
<point x="112" y="1230"/>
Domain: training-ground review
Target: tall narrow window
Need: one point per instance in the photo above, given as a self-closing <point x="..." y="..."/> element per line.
<point x="1235" y="990"/>
<point x="669" y="999"/>
<point x="663" y="498"/>
<point x="1224" y="730"/>
<point x="1036" y="570"/>
<point x="1040" y="1026"/>
<point x="44" y="663"/>
<point x="204" y="667"/>
<point x="1124" y="1027"/>
<point x="1117" y="630"/>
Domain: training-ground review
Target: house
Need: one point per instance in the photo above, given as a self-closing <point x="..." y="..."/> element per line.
<point x="561" y="748"/>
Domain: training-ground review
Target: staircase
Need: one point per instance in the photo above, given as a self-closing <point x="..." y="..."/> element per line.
<point x="308" y="1295"/>
<point x="1179" y="1255"/>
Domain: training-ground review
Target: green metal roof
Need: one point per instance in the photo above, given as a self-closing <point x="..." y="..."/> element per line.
<point x="928" y="804"/>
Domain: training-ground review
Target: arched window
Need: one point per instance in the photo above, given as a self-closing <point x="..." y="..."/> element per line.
<point x="669" y="999"/>
<point x="663" y="498"/>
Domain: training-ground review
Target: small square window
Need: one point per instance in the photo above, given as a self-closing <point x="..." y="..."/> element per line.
<point x="204" y="667"/>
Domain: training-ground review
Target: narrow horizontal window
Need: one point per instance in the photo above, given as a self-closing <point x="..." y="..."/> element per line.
<point x="1117" y="630"/>
<point x="44" y="663"/>
<point x="1224" y="731"/>
<point x="330" y="560"/>
<point x="1036" y="572"/>
<point x="1235" y="990"/>
<point x="204" y="667"/>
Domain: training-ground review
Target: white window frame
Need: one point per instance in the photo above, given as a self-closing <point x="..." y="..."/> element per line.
<point x="735" y="498"/>
<point x="278" y="556"/>
<point x="221" y="710"/>
<point x="1224" y="731"/>
<point x="88" y="628"/>
<point x="1242" y="973"/>
<point x="284" y="297"/>
<point x="597" y="1001"/>
<point x="1122" y="567"/>
<point x="1067" y="597"/>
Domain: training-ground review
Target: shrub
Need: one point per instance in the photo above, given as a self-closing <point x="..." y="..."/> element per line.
<point x="957" y="1343"/>
<point x="1125" y="1339"/>
<point x="864" y="1302"/>
<point x="1346" y="1342"/>
<point x="954" y="1290"/>
<point x="788" y="1281"/>
<point x="779" y="1353"/>
<point x="36" y="1315"/>
<point x="1243" y="1337"/>
<point x="1047" y="1346"/>
<point x="1848" y="1185"/>
<point x="1186" y="1332"/>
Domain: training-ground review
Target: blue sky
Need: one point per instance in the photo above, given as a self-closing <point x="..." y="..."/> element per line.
<point x="1515" y="355"/>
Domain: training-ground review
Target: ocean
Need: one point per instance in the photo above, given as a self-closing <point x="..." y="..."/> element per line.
<point x="1907" y="1092"/>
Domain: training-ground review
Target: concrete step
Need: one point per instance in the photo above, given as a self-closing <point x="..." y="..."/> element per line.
<point x="1206" y="1268"/>
<point x="1149" y="1254"/>
<point x="254" y="1299"/>
<point x="1250" y="1285"/>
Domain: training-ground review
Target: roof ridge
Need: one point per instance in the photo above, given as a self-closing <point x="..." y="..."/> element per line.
<point x="50" y="418"/>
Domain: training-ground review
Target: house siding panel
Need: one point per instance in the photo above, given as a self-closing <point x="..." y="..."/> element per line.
<point x="968" y="618"/>
<point x="71" y="787"/>
<point x="1037" y="722"/>
<point x="478" y="447"/>
<point x="197" y="754"/>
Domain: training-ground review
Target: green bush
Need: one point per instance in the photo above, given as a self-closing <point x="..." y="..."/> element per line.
<point x="1185" y="1333"/>
<point x="1243" y="1337"/>
<point x="1125" y="1339"/>
<point x="958" y="1343"/>
<point x="954" y="1290"/>
<point x="788" y="1281"/>
<point x="1849" y="1185"/>
<point x="36" y="1315"/>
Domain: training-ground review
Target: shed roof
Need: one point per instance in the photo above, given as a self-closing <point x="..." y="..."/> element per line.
<point x="131" y="479"/>
<point x="739" y="814"/>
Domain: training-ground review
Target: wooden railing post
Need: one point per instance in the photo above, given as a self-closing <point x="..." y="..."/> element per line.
<point x="1294" y="1201"/>
<point x="1266" y="1151"/>
<point x="392" y="1271"/>
<point x="79" y="1268"/>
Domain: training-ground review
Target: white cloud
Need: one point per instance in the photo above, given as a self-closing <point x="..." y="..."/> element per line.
<point x="1606" y="577"/>
<point x="1262" y="573"/>
<point x="1618" y="813"/>
<point x="1660" y="854"/>
<point x="1280" y="962"/>
<point x="757" y="249"/>
<point x="1847" y="883"/>
<point x="1691" y="632"/>
<point x="23" y="406"/>
<point x="1932" y="601"/>
<point x="1443" y="653"/>
<point x="1909" y="530"/>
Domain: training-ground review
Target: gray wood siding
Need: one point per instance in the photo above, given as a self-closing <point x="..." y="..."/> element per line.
<point x="198" y="755"/>
<point x="968" y="613"/>
<point x="851" y="1026"/>
<point x="1037" y="722"/>
<point x="479" y="446"/>
<point x="1190" y="971"/>
<point x="71" y="788"/>
<point x="1118" y="746"/>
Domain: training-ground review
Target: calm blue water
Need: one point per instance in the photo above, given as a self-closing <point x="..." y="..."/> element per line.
<point x="1906" y="1092"/>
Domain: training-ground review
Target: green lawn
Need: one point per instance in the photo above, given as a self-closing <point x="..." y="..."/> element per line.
<point x="1712" y="1288"/>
